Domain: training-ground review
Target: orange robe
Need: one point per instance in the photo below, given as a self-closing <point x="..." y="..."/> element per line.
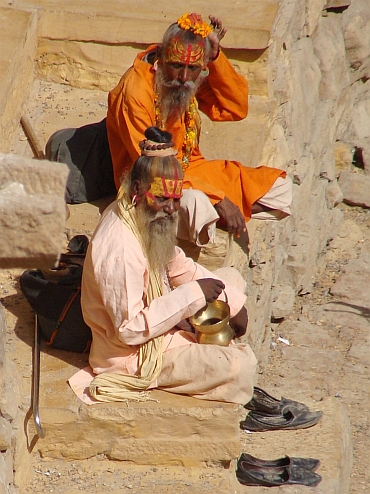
<point x="223" y="96"/>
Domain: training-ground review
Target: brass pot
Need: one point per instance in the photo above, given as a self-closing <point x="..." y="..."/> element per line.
<point x="212" y="324"/>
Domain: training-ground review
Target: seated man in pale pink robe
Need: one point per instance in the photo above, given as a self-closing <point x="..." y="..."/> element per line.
<point x="139" y="289"/>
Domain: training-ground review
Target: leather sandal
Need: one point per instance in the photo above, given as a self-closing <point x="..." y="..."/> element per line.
<point x="259" y="422"/>
<point x="263" y="402"/>
<point x="270" y="477"/>
<point x="286" y="461"/>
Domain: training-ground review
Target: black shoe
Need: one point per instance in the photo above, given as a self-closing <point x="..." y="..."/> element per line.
<point x="286" y="461"/>
<point x="260" y="422"/>
<point x="270" y="477"/>
<point x="265" y="403"/>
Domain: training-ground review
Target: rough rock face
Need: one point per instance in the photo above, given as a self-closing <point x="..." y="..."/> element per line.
<point x="33" y="212"/>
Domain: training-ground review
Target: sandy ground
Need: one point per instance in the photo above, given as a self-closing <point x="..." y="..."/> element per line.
<point x="96" y="475"/>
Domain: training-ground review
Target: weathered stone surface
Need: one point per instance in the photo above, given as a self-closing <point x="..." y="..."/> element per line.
<point x="282" y="301"/>
<point x="247" y="151"/>
<point x="343" y="154"/>
<point x="351" y="234"/>
<point x="10" y="392"/>
<point x="252" y="30"/>
<point x="337" y="3"/>
<point x="6" y="471"/>
<point x="32" y="212"/>
<point x="22" y="467"/>
<point x="330" y="50"/>
<point x="2" y="339"/>
<point x="5" y="434"/>
<point x="313" y="15"/>
<point x="353" y="124"/>
<point x="176" y="430"/>
<point x="356" y="31"/>
<point x="353" y="284"/>
<point x="305" y="80"/>
<point x="19" y="29"/>
<point x="333" y="194"/>
<point x="355" y="188"/>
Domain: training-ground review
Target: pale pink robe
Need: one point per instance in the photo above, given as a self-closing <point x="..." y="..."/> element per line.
<point x="114" y="285"/>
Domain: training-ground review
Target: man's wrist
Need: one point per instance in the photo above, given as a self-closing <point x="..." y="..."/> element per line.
<point x="213" y="58"/>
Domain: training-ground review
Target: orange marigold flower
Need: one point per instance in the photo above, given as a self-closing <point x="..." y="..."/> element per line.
<point x="194" y="22"/>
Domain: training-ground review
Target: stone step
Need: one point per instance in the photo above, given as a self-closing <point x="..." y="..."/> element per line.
<point x="170" y="430"/>
<point x="203" y="439"/>
<point x="117" y="22"/>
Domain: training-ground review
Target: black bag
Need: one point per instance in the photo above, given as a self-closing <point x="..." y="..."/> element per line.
<point x="85" y="150"/>
<point x="56" y="299"/>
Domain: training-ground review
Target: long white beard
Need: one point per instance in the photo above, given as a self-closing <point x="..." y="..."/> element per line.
<point x="174" y="96"/>
<point x="158" y="234"/>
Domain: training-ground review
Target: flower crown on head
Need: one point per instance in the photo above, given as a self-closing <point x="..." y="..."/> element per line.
<point x="195" y="23"/>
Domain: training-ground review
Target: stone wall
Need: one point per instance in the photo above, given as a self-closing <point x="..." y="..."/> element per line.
<point x="318" y="75"/>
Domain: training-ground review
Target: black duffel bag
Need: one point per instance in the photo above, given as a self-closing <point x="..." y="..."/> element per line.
<point x="55" y="297"/>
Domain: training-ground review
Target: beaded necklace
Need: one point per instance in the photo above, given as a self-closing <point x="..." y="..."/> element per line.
<point x="190" y="139"/>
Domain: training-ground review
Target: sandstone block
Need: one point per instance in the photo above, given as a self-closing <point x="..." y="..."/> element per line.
<point x="19" y="29"/>
<point x="282" y="301"/>
<point x="177" y="430"/>
<point x="366" y="157"/>
<point x="5" y="434"/>
<point x="333" y="194"/>
<point x="343" y="155"/>
<point x="2" y="338"/>
<point x="355" y="188"/>
<point x="22" y="465"/>
<point x="313" y="15"/>
<point x="140" y="25"/>
<point x="6" y="471"/>
<point x="330" y="50"/>
<point x="356" y="30"/>
<point x="33" y="212"/>
<point x="10" y="397"/>
<point x="330" y="4"/>
<point x="353" y="284"/>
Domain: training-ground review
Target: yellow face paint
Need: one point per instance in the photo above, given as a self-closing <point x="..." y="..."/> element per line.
<point x="164" y="187"/>
<point x="188" y="55"/>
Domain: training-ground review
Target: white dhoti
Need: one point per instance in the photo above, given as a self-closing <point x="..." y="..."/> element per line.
<point x="198" y="217"/>
<point x="278" y="198"/>
<point x="210" y="372"/>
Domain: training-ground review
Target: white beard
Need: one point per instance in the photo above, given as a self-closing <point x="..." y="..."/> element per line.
<point x="158" y="235"/>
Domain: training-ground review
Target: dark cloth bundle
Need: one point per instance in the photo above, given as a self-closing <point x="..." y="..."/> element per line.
<point x="85" y="150"/>
<point x="55" y="297"/>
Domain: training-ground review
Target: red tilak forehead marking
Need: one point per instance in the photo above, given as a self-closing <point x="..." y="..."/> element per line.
<point x="187" y="54"/>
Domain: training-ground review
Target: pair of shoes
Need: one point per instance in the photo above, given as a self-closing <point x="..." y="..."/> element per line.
<point x="259" y="422"/>
<point x="263" y="402"/>
<point x="269" y="476"/>
<point x="286" y="461"/>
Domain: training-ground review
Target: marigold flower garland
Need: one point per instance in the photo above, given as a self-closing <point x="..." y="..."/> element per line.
<point x="191" y="136"/>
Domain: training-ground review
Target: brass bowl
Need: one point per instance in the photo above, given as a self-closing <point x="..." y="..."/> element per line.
<point x="212" y="324"/>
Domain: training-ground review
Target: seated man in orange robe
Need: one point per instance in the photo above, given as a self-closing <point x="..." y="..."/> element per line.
<point x="165" y="87"/>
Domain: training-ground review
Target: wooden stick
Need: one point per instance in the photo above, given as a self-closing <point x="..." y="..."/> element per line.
<point x="32" y="139"/>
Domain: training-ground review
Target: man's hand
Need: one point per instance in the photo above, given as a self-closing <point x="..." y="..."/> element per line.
<point x="231" y="214"/>
<point x="211" y="288"/>
<point x="215" y="36"/>
<point x="239" y="322"/>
